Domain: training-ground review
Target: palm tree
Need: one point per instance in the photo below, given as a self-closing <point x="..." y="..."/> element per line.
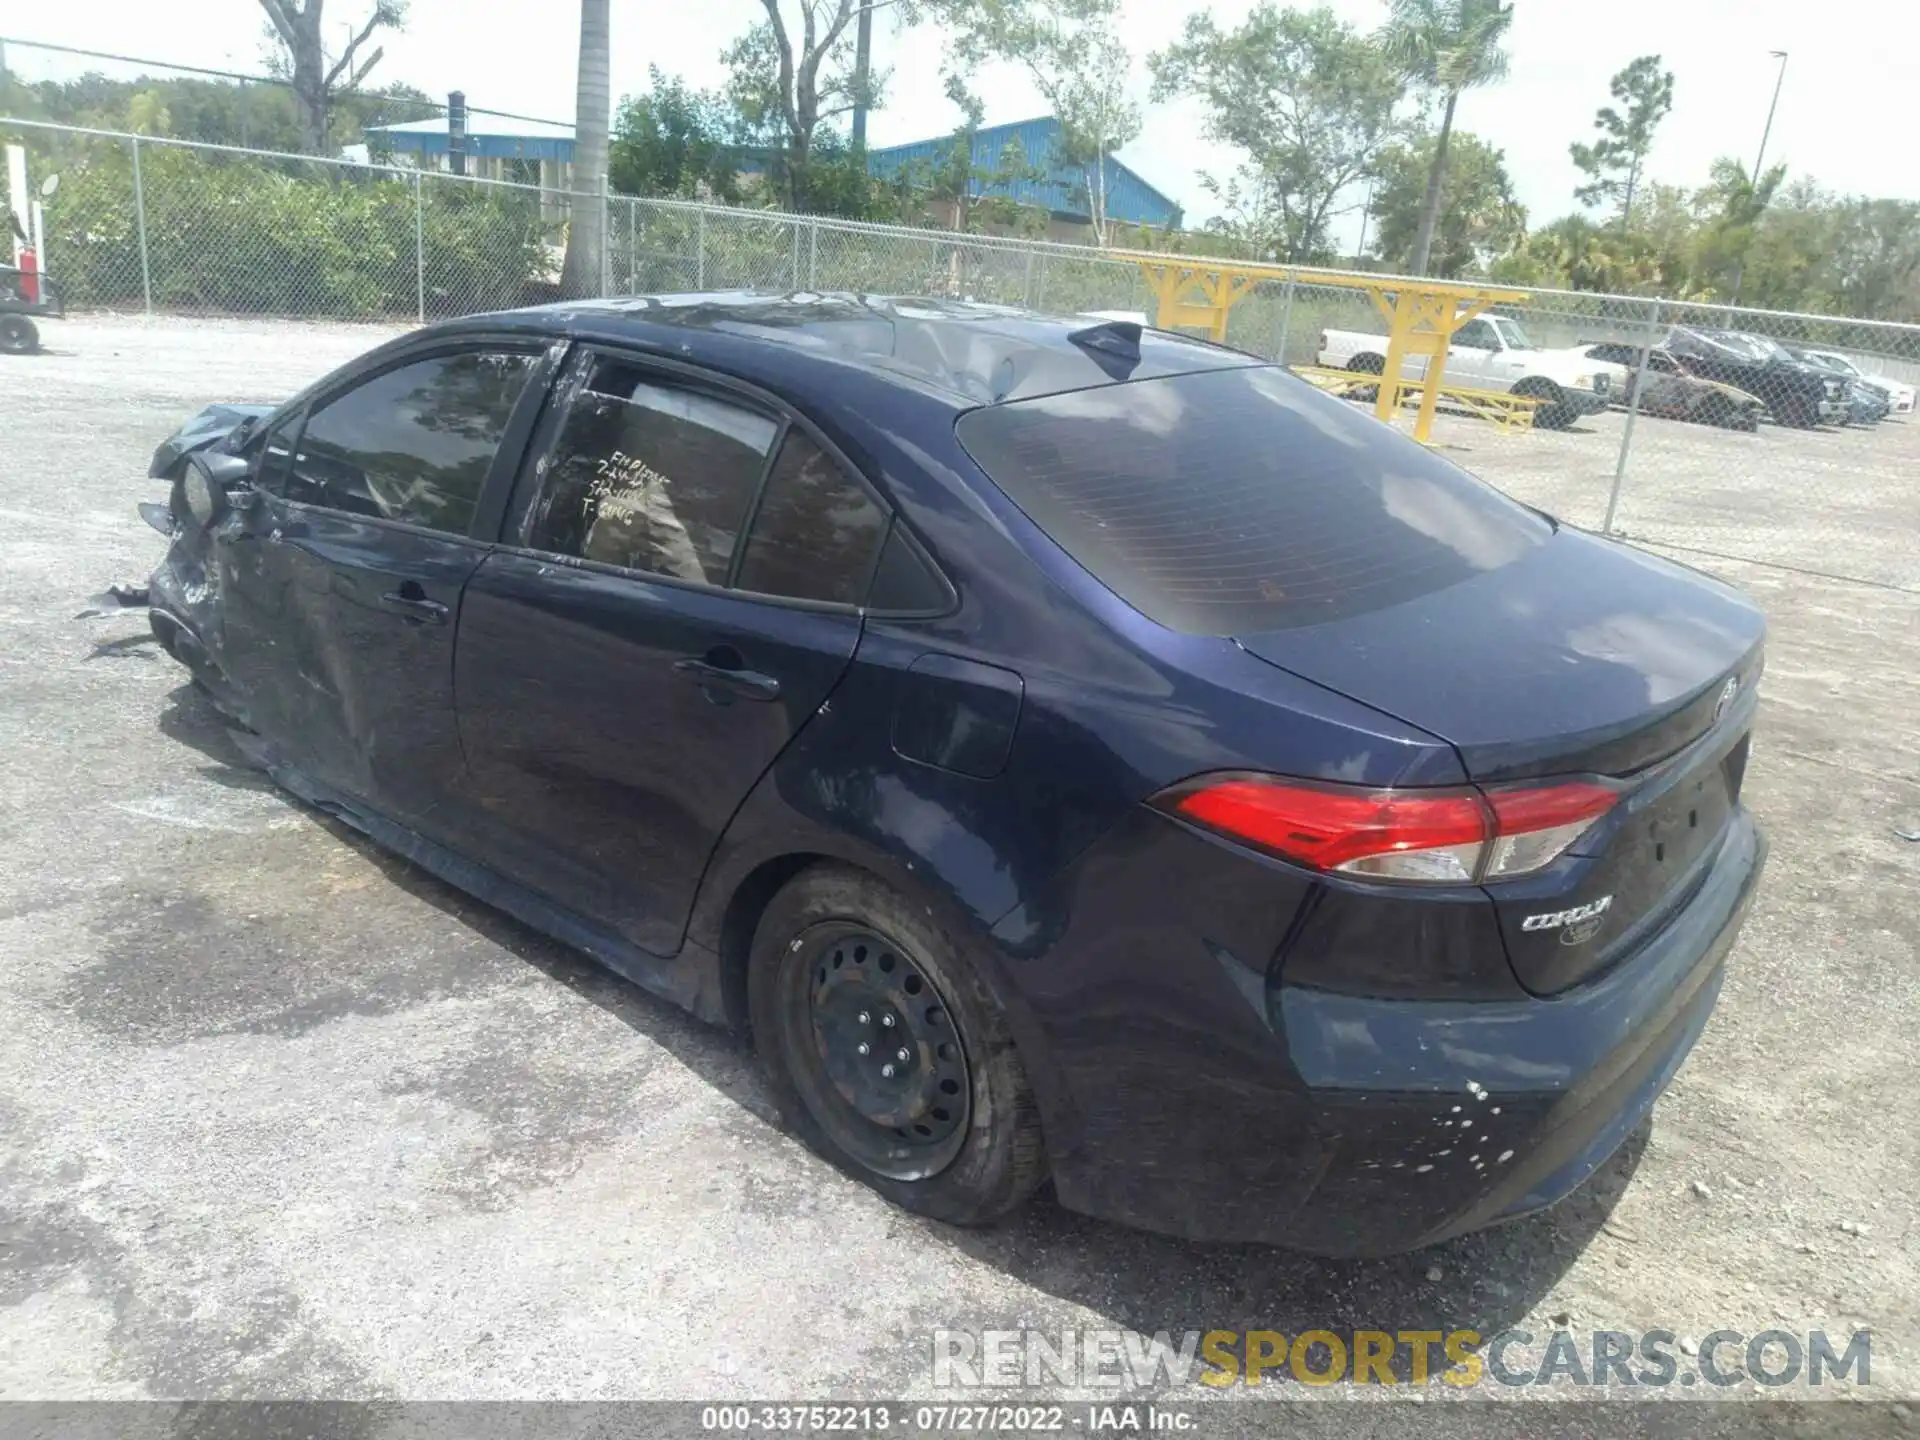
<point x="1445" y="46"/>
<point x="582" y="273"/>
<point x="1742" y="199"/>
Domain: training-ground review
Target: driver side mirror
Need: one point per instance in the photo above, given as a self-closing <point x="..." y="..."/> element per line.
<point x="210" y="482"/>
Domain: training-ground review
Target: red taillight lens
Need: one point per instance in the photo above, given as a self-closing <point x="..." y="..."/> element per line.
<point x="1427" y="836"/>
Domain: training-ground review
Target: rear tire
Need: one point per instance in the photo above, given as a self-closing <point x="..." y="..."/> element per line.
<point x="18" y="335"/>
<point x="1368" y="365"/>
<point x="845" y="974"/>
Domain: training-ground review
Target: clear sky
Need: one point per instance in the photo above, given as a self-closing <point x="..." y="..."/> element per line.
<point x="1845" y="115"/>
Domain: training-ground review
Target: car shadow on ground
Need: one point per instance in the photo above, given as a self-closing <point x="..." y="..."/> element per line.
<point x="1148" y="1283"/>
<point x="1108" y="1275"/>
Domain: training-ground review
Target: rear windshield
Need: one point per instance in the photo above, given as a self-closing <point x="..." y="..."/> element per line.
<point x="1236" y="501"/>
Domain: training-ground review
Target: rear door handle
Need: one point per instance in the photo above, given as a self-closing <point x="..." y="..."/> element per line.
<point x="414" y="606"/>
<point x="747" y="684"/>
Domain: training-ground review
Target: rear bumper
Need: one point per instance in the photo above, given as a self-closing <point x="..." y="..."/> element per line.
<point x="1585" y="402"/>
<point x="1369" y="1127"/>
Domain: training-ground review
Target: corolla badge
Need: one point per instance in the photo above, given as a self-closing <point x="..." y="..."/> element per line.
<point x="1576" y="926"/>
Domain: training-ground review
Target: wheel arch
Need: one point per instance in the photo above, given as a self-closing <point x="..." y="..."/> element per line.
<point x="732" y="921"/>
<point x="740" y="917"/>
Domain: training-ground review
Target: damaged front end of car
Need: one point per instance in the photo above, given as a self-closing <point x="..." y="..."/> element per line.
<point x="208" y="465"/>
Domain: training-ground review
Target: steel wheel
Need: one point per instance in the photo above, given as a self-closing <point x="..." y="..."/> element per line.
<point x="17" y="335"/>
<point x="880" y="1060"/>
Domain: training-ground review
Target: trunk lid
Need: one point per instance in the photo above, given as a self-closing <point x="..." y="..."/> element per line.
<point x="1579" y="657"/>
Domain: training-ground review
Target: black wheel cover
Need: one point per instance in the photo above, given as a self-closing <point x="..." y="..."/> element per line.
<point x="874" y="1050"/>
<point x="17" y="335"/>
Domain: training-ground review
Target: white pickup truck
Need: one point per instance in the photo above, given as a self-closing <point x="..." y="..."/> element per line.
<point x="1492" y="352"/>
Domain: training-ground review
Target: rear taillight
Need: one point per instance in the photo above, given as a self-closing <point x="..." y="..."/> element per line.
<point x="1434" y="837"/>
<point x="1534" y="825"/>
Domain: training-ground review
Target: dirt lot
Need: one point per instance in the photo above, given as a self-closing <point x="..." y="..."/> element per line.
<point x="280" y="1116"/>
<point x="1839" y="501"/>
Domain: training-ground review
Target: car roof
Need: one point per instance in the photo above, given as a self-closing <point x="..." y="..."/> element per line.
<point x="971" y="353"/>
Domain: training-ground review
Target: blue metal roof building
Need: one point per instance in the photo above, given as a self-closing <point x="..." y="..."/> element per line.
<point x="1129" y="198"/>
<point x="486" y="138"/>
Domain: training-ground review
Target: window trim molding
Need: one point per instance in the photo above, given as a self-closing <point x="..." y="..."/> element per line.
<point x="697" y="587"/>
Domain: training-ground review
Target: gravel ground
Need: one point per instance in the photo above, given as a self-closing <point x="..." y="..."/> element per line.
<point x="283" y="1117"/>
<point x="1838" y="501"/>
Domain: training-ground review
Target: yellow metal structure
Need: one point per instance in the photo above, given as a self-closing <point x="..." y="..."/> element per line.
<point x="1421" y="315"/>
<point x="1501" y="407"/>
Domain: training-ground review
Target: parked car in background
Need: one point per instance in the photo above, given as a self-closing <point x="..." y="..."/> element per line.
<point x="1493" y="352"/>
<point x="1795" y="393"/>
<point x="1900" y="395"/>
<point x="1066" y="749"/>
<point x="1670" y="391"/>
<point x="1867" y="403"/>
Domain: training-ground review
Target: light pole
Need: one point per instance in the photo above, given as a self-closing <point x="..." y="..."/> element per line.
<point x="1780" y="80"/>
<point x="1366" y="213"/>
<point x="862" y="72"/>
<point x="1740" y="267"/>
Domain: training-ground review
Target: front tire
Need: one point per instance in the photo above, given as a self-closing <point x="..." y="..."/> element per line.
<point x="1553" y="413"/>
<point x="18" y="335"/>
<point x="845" y="978"/>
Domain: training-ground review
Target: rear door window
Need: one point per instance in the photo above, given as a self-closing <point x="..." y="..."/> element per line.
<point x="412" y="444"/>
<point x="651" y="476"/>
<point x="817" y="532"/>
<point x="1238" y="501"/>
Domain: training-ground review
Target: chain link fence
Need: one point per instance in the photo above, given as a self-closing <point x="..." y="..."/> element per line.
<point x="1778" y="438"/>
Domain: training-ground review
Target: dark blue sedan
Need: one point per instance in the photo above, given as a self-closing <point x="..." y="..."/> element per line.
<point x="1071" y="751"/>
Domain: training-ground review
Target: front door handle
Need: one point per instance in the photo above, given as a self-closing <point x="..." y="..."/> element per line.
<point x="409" y="600"/>
<point x="747" y="684"/>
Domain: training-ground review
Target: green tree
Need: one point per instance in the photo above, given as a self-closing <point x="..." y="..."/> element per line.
<point x="1572" y="253"/>
<point x="582" y="271"/>
<point x="256" y="115"/>
<point x="837" y="182"/>
<point x="790" y="74"/>
<point x="317" y="76"/>
<point x="674" y="140"/>
<point x="1445" y="47"/>
<point x="1255" y="221"/>
<point x="1875" y="257"/>
<point x="1072" y="52"/>
<point x="1731" y="206"/>
<point x="1613" y="163"/>
<point x="1306" y="98"/>
<point x="974" y="197"/>
<point x="1479" y="215"/>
